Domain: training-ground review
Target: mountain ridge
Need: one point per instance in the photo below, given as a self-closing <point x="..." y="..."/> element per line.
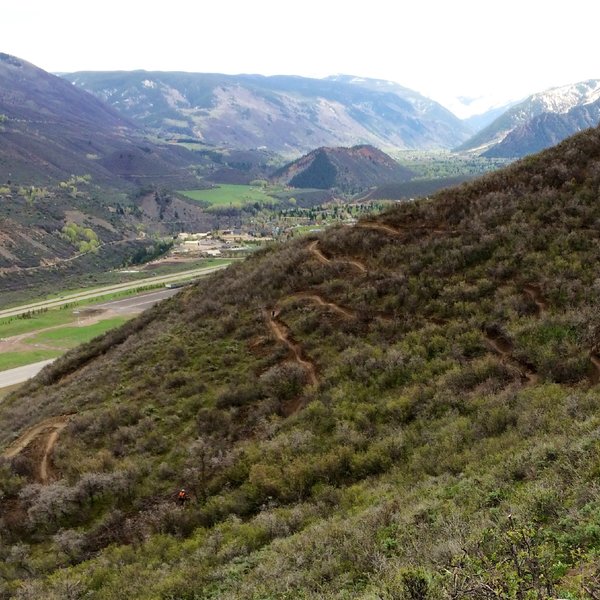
<point x="570" y="108"/>
<point x="288" y="114"/>
<point x="50" y="131"/>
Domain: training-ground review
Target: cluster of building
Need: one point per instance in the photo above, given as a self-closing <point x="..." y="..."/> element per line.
<point x="225" y="243"/>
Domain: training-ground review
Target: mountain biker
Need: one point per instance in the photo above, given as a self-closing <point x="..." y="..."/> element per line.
<point x="182" y="497"/>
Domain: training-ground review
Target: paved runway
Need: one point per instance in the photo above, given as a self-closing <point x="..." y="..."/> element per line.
<point x="21" y="374"/>
<point x="136" y="303"/>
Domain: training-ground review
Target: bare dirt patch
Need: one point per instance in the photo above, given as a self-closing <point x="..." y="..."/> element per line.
<point x="39" y="441"/>
<point x="535" y="295"/>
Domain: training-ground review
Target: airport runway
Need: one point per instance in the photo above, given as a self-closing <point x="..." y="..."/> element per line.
<point x="21" y="374"/>
<point x="134" y="304"/>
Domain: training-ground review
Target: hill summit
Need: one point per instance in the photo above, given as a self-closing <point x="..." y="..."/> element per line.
<point x="347" y="169"/>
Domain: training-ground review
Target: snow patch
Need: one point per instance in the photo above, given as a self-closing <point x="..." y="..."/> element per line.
<point x="562" y="99"/>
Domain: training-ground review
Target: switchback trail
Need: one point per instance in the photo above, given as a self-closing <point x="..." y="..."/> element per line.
<point x="595" y="373"/>
<point x="313" y="247"/>
<point x="536" y="296"/>
<point x="378" y="227"/>
<point x="280" y="331"/>
<point x="344" y="312"/>
<point x="46" y="434"/>
<point x="503" y="347"/>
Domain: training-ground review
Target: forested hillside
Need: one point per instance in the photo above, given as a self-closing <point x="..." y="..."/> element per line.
<point x="405" y="408"/>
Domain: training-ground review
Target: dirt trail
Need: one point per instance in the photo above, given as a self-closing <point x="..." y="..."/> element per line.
<point x="344" y="312"/>
<point x="281" y="333"/>
<point x="406" y="229"/>
<point x="313" y="247"/>
<point x="595" y="373"/>
<point x="45" y="435"/>
<point x="536" y="296"/>
<point x="503" y="347"/>
<point x="378" y="227"/>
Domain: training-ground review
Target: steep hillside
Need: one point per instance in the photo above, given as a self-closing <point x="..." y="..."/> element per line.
<point x="347" y="169"/>
<point x="285" y="114"/>
<point x="50" y="130"/>
<point x="418" y="188"/>
<point x="540" y="121"/>
<point x="545" y="130"/>
<point x="405" y="408"/>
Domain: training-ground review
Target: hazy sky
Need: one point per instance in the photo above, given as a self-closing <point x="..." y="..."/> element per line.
<point x="442" y="48"/>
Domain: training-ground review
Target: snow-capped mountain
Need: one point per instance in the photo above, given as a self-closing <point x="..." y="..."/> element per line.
<point x="565" y="110"/>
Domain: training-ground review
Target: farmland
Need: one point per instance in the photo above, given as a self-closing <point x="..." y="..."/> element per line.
<point x="229" y="195"/>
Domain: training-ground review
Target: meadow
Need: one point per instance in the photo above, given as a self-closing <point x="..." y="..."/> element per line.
<point x="69" y="337"/>
<point x="229" y="195"/>
<point x="12" y="360"/>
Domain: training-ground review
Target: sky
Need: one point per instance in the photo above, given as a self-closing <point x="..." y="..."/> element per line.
<point x="486" y="50"/>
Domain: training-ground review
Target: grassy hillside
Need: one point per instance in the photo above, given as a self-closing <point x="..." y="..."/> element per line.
<point x="404" y="409"/>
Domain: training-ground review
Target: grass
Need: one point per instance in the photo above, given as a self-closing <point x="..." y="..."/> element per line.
<point x="12" y="326"/>
<point x="69" y="337"/>
<point x="7" y="390"/>
<point x="12" y="360"/>
<point x="167" y="269"/>
<point x="422" y="465"/>
<point x="230" y="195"/>
<point x="62" y="338"/>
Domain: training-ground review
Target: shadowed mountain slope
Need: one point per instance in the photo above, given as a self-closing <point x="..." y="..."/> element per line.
<point x="50" y="130"/>
<point x="347" y="169"/>
<point x="406" y="408"/>
<point x="545" y="130"/>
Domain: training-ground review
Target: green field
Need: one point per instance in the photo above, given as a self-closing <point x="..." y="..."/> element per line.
<point x="12" y="360"/>
<point x="69" y="337"/>
<point x="61" y="338"/>
<point x="11" y="326"/>
<point x="230" y="195"/>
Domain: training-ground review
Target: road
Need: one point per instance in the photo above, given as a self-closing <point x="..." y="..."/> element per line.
<point x="21" y="374"/>
<point x="135" y="304"/>
<point x="104" y="291"/>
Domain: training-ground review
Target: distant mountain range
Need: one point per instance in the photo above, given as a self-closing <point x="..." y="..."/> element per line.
<point x="347" y="169"/>
<point x="540" y="121"/>
<point x="50" y="130"/>
<point x="286" y="114"/>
